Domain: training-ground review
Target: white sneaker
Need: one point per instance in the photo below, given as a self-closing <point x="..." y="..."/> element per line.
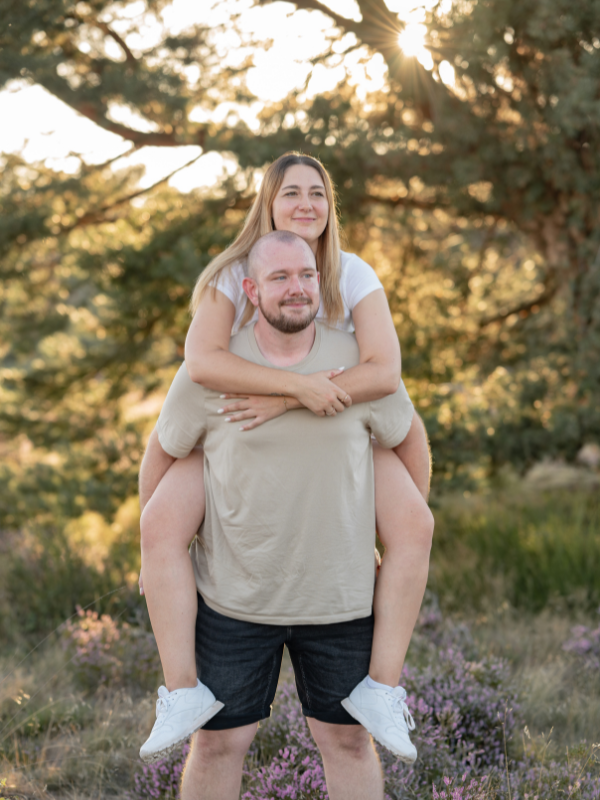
<point x="385" y="715"/>
<point x="178" y="715"/>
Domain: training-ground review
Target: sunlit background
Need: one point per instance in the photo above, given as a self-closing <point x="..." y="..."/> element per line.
<point x="463" y="138"/>
<point x="40" y="126"/>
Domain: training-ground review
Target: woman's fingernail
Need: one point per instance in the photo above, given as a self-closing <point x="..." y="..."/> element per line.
<point x="341" y="367"/>
<point x="141" y="591"/>
<point x="227" y="419"/>
<point x="220" y="411"/>
<point x="222" y="396"/>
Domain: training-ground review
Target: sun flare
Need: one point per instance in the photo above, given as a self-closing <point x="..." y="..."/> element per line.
<point x="412" y="39"/>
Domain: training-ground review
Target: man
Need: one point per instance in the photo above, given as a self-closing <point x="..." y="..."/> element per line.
<point x="285" y="553"/>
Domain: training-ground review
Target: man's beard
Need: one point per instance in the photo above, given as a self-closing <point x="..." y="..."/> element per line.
<point x="287" y="324"/>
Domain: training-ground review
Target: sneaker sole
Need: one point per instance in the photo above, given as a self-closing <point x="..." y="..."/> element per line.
<point x="354" y="712"/>
<point x="158" y="755"/>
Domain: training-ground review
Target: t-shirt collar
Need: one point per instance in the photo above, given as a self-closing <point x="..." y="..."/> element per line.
<point x="299" y="366"/>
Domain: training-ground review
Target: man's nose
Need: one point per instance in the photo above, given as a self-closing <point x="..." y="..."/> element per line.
<point x="295" y="286"/>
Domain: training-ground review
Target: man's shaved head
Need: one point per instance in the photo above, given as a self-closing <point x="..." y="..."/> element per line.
<point x="260" y="250"/>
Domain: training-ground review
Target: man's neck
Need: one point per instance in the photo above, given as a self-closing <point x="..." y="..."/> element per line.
<point x="283" y="349"/>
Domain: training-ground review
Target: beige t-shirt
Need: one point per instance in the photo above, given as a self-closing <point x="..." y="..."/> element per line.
<point x="289" y="529"/>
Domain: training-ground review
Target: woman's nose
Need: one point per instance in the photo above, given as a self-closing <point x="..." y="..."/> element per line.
<point x="305" y="202"/>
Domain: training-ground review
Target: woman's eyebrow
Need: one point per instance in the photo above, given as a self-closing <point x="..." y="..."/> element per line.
<point x="294" y="186"/>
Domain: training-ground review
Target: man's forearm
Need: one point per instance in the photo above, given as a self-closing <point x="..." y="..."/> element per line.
<point x="415" y="455"/>
<point x="154" y="465"/>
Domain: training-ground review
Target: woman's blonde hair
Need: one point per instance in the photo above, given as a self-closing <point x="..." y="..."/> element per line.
<point x="259" y="221"/>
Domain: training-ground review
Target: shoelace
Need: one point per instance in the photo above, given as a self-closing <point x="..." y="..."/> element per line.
<point x="399" y="695"/>
<point x="164" y="701"/>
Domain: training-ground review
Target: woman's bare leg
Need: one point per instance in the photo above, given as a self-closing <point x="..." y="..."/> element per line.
<point x="169" y="522"/>
<point x="405" y="527"/>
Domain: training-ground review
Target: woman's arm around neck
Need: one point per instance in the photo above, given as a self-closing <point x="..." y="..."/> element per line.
<point x="378" y="373"/>
<point x="210" y="363"/>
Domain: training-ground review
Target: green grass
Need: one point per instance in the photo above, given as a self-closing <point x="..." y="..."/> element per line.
<point x="532" y="550"/>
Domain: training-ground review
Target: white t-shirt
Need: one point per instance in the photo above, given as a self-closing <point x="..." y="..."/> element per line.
<point x="357" y="280"/>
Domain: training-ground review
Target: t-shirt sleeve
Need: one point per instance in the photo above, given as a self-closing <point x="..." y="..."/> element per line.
<point x="182" y="420"/>
<point x="358" y="280"/>
<point x="391" y="417"/>
<point x="229" y="281"/>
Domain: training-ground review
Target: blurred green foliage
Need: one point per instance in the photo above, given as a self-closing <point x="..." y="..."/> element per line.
<point x="529" y="549"/>
<point x="476" y="201"/>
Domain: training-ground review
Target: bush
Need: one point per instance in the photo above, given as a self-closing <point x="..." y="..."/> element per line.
<point x="162" y="778"/>
<point x="528" y="548"/>
<point x="585" y="645"/>
<point x="103" y="653"/>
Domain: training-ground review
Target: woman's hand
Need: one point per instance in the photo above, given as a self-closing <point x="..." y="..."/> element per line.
<point x="321" y="395"/>
<point x="317" y="392"/>
<point x="259" y="408"/>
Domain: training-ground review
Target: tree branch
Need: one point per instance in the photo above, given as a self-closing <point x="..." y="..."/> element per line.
<point x="106" y="29"/>
<point x="314" y="5"/>
<point x="140" y="139"/>
<point x="94" y="217"/>
<point x="523" y="308"/>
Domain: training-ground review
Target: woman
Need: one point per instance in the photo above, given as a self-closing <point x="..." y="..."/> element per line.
<point x="296" y="195"/>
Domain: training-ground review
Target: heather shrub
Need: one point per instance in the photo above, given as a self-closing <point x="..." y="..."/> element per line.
<point x="463" y="788"/>
<point x="472" y="702"/>
<point x="534" y="778"/>
<point x="103" y="653"/>
<point x="585" y="644"/>
<point x="291" y="774"/>
<point x="161" y="779"/>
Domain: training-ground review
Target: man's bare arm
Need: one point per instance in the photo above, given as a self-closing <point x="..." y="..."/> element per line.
<point x="155" y="463"/>
<point x="415" y="455"/>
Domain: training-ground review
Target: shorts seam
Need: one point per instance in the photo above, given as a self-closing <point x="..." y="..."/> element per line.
<point x="331" y="717"/>
<point x="268" y="689"/>
<point x="219" y="723"/>
<point x="304" y="681"/>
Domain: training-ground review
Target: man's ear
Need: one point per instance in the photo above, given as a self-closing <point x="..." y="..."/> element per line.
<point x="251" y="289"/>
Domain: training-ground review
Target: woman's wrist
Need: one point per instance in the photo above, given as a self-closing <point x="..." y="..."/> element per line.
<point x="294" y="386"/>
<point x="291" y="403"/>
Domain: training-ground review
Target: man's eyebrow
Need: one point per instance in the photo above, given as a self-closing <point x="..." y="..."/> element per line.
<point x="295" y="186"/>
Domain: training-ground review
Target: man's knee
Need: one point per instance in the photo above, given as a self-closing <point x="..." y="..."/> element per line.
<point x="341" y="741"/>
<point x="222" y="746"/>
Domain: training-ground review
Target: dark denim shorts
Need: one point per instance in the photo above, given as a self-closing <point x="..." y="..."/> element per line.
<point x="240" y="663"/>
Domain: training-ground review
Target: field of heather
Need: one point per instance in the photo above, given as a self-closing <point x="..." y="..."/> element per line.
<point x="503" y="678"/>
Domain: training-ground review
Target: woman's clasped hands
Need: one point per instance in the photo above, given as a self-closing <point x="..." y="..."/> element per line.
<point x="316" y="392"/>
